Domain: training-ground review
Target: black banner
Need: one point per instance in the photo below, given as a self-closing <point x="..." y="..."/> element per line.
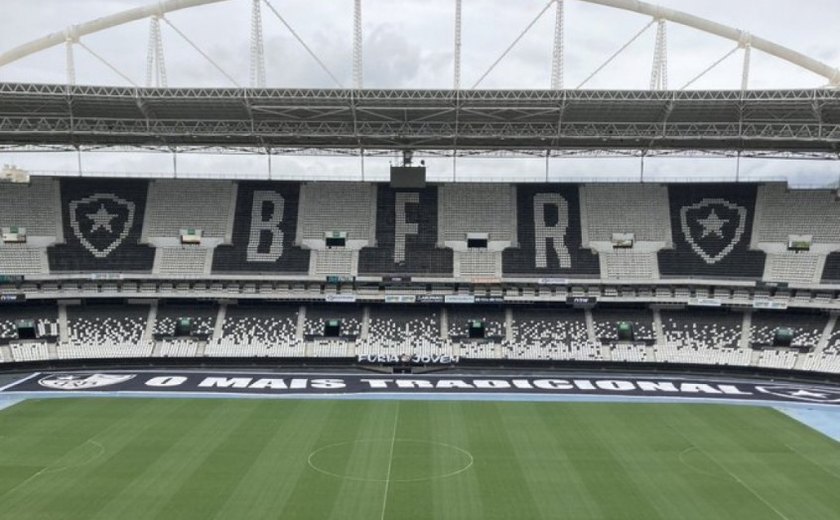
<point x="302" y="384"/>
<point x="12" y="298"/>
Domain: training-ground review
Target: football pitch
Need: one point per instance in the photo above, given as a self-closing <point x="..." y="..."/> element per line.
<point x="353" y="460"/>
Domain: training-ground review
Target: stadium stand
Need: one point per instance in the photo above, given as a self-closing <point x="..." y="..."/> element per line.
<point x="101" y="322"/>
<point x="43" y="316"/>
<point x="406" y="235"/>
<point x="702" y="336"/>
<point x="264" y="234"/>
<point x="641" y="209"/>
<point x="201" y="316"/>
<point x="606" y="321"/>
<point x="806" y="328"/>
<point x="712" y="231"/>
<point x="782" y="212"/>
<point x="263" y="329"/>
<point x="549" y="238"/>
<point x="102" y="221"/>
<point x="403" y="329"/>
<point x="34" y="206"/>
<point x="349" y="318"/>
<point x="550" y="333"/>
<point x="175" y="205"/>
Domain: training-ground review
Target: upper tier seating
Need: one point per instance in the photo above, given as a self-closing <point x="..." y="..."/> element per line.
<point x="641" y="209"/>
<point x="34" y="206"/>
<point x="548" y="232"/>
<point x="406" y="235"/>
<point x="782" y="212"/>
<point x="476" y="208"/>
<point x="793" y="267"/>
<point x="102" y="225"/>
<point x="183" y="261"/>
<point x="175" y="205"/>
<point x="20" y="259"/>
<point x="264" y="231"/>
<point x="712" y="232"/>
<point x="347" y="207"/>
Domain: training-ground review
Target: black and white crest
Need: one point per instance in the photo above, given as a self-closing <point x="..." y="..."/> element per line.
<point x="713" y="227"/>
<point x="101" y="222"/>
<point x="801" y="393"/>
<point x="82" y="381"/>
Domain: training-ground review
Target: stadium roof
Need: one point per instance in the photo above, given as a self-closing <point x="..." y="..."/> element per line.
<point x="469" y="121"/>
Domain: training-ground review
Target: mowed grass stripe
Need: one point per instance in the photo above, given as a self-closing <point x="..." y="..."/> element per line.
<point x="205" y="459"/>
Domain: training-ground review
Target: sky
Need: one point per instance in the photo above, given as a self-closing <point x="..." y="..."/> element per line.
<point x="408" y="44"/>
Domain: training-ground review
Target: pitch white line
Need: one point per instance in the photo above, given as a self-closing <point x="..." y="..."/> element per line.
<point x="19" y="381"/>
<point x="390" y="462"/>
<point x="731" y="475"/>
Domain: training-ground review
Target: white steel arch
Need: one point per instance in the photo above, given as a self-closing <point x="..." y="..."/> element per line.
<point x="658" y="13"/>
<point x="74" y="32"/>
<point x="743" y="38"/>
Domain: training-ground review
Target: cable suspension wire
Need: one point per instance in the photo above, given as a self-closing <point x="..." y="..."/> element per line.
<point x="456" y="80"/>
<point x="257" y="47"/>
<point x="303" y="44"/>
<point x="203" y="54"/>
<point x="616" y="53"/>
<point x="710" y="67"/>
<point x="106" y="63"/>
<point x="513" y="43"/>
<point x="559" y="54"/>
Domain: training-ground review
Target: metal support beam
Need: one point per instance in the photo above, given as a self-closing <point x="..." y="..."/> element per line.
<point x="155" y="64"/>
<point x="558" y="55"/>
<point x="659" y="71"/>
<point x="456" y="81"/>
<point x="257" y="48"/>
<point x="358" y="61"/>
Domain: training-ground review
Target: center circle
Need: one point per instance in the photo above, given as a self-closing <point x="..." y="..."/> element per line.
<point x="390" y="460"/>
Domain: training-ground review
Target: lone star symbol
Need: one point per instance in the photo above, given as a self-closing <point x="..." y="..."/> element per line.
<point x="808" y="393"/>
<point x="101" y="219"/>
<point x="712" y="225"/>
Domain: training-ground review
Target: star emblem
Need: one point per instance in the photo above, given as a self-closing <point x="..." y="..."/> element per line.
<point x="712" y="225"/>
<point x="101" y="219"/>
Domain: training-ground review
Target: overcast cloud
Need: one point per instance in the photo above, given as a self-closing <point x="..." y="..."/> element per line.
<point x="408" y="44"/>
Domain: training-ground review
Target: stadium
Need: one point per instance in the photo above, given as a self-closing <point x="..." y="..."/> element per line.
<point x="446" y="299"/>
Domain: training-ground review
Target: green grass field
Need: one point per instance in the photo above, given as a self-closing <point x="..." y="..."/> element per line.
<point x="251" y="459"/>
